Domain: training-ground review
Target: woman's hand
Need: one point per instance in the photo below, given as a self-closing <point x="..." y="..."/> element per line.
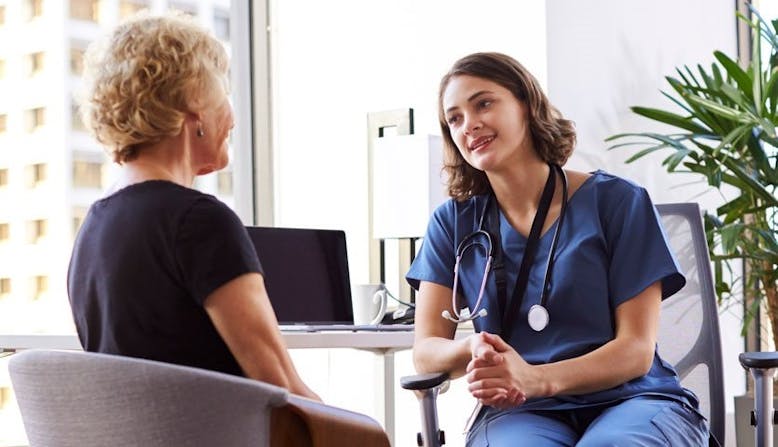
<point x="497" y="375"/>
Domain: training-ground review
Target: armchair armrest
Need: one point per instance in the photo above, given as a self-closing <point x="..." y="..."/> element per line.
<point x="304" y="422"/>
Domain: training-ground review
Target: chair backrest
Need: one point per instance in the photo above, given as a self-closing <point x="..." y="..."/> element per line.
<point x="80" y="399"/>
<point x="689" y="336"/>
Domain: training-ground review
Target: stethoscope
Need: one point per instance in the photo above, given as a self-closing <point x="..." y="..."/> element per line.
<point x="537" y="317"/>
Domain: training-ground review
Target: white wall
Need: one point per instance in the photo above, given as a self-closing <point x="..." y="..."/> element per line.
<point x="607" y="55"/>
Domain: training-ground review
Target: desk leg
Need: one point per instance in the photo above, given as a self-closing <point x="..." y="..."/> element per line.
<point x="385" y="392"/>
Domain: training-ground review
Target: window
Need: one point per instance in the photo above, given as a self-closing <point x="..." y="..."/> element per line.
<point x="88" y="10"/>
<point x="5" y="397"/>
<point x="77" y="58"/>
<point x="5" y="287"/>
<point x="2" y="15"/>
<point x="221" y="24"/>
<point x="34" y="9"/>
<point x="36" y="230"/>
<point x="130" y="7"/>
<point x="224" y="182"/>
<point x="40" y="285"/>
<point x="186" y="8"/>
<point x="35" y="118"/>
<point x="5" y="232"/>
<point x="87" y="174"/>
<point x="3" y="177"/>
<point x="35" y="63"/>
<point x="79" y="214"/>
<point x="3" y="122"/>
<point x="76" y="123"/>
<point x="36" y="174"/>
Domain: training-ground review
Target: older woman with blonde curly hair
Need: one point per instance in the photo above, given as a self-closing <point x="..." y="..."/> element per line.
<point x="160" y="270"/>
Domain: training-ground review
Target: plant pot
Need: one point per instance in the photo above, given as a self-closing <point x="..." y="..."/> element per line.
<point x="744" y="431"/>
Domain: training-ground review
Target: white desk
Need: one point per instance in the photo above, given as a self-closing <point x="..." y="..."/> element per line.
<point x="384" y="344"/>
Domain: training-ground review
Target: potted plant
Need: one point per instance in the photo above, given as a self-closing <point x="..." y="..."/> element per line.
<point x="726" y="132"/>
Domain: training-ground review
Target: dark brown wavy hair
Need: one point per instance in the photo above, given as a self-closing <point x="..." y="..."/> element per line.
<point x="552" y="135"/>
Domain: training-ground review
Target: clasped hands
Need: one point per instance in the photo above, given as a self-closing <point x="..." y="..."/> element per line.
<point x="497" y="375"/>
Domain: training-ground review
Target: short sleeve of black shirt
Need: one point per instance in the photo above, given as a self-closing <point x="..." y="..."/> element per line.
<point x="212" y="247"/>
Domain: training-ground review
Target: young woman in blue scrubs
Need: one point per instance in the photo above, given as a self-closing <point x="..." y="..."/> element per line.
<point x="580" y="365"/>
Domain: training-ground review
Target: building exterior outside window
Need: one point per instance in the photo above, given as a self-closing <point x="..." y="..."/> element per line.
<point x="87" y="174"/>
<point x="35" y="63"/>
<point x="51" y="170"/>
<point x="88" y="10"/>
<point x="36" y="230"/>
<point x="130" y="7"/>
<point x="5" y="287"/>
<point x="5" y="232"/>
<point x="77" y="58"/>
<point x="34" y="9"/>
<point x="36" y="118"/>
<point x="36" y="174"/>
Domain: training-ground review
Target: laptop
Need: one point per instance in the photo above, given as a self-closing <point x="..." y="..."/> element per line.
<point x="307" y="279"/>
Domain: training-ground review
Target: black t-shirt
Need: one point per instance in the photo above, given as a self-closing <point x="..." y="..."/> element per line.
<point x="144" y="261"/>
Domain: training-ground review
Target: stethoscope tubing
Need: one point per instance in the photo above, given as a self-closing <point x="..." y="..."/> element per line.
<point x="467" y="242"/>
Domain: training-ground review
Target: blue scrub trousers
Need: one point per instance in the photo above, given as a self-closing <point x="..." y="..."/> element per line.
<point x="639" y="421"/>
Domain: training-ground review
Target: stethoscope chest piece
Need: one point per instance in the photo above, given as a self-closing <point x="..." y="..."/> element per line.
<point x="537" y="317"/>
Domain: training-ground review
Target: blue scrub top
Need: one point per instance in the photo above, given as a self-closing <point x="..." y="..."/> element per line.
<point x="611" y="247"/>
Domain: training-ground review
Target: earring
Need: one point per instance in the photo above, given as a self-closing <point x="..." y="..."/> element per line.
<point x="200" y="132"/>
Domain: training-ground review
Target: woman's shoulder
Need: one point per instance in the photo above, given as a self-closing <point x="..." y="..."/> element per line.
<point x="610" y="186"/>
<point x="453" y="209"/>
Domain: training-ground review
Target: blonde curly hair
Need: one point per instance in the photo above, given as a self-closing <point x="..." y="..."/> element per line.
<point x="144" y="77"/>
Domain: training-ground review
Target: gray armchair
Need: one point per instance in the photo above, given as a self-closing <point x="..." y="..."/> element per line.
<point x="80" y="399"/>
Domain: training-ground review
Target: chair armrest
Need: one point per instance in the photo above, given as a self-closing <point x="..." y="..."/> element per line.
<point x="304" y="422"/>
<point x="759" y="360"/>
<point x="423" y="381"/>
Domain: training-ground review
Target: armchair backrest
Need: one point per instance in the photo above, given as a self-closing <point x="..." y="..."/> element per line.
<point x="689" y="336"/>
<point x="80" y="399"/>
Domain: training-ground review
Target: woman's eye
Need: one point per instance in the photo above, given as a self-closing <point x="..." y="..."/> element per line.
<point x="452" y="120"/>
<point x="484" y="103"/>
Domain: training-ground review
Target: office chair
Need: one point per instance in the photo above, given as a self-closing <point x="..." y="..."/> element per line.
<point x="688" y="336"/>
<point x="81" y="399"/>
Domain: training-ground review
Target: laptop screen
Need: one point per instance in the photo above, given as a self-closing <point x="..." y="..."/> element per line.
<point x="306" y="274"/>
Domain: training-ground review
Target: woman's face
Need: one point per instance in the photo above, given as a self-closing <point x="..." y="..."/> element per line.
<point x="217" y="122"/>
<point x="487" y="123"/>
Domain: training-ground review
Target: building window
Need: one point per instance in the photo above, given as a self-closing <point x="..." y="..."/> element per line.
<point x="221" y="24"/>
<point x="76" y="59"/>
<point x="3" y="177"/>
<point x="36" y="230"/>
<point x="5" y="232"/>
<point x="87" y="174"/>
<point x="130" y="7"/>
<point x="35" y="63"/>
<point x="5" y="287"/>
<point x="88" y="10"/>
<point x="76" y="123"/>
<point x="36" y="174"/>
<point x="5" y="397"/>
<point x="34" y="9"/>
<point x="186" y="8"/>
<point x="36" y="118"/>
<point x="3" y="122"/>
<point x="224" y="183"/>
<point x="40" y="285"/>
<point x="79" y="214"/>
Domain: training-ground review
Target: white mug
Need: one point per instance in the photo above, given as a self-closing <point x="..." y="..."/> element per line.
<point x="369" y="303"/>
